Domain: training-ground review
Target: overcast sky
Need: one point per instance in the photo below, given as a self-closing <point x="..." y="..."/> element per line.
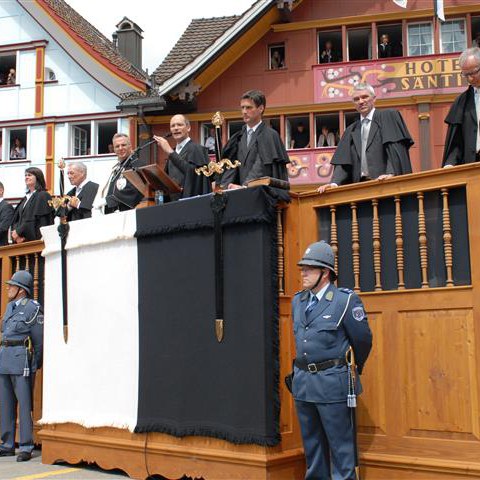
<point x="162" y="21"/>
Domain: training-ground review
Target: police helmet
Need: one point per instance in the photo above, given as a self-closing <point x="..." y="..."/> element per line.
<point x="320" y="255"/>
<point x="22" y="279"/>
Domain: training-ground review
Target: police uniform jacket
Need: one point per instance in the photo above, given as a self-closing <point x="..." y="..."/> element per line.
<point x="337" y="322"/>
<point x="20" y="322"/>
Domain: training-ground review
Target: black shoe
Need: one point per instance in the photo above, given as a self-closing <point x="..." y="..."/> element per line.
<point x="7" y="453"/>
<point x="24" y="457"/>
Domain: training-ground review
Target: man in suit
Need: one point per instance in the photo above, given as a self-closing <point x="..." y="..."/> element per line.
<point x="21" y="351"/>
<point x="258" y="147"/>
<point x="6" y="217"/>
<point x="462" y="143"/>
<point x="328" y="323"/>
<point x="385" y="49"/>
<point x="119" y="194"/>
<point x="82" y="195"/>
<point x="374" y="147"/>
<point x="184" y="159"/>
<point x="328" y="55"/>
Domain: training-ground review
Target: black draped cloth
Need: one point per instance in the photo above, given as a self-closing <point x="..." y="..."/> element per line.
<point x="189" y="383"/>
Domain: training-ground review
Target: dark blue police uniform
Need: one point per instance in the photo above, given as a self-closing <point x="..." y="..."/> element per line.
<point x="323" y="335"/>
<point x="21" y="351"/>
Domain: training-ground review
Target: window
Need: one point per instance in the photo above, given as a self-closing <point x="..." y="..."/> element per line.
<point x="330" y="46"/>
<point x="8" y="66"/>
<point x="452" y="36"/>
<point x="18" y="144"/>
<point x="475" y="32"/>
<point x="207" y="137"/>
<point x="351" y="117"/>
<point x="273" y="122"/>
<point x="326" y="128"/>
<point x="390" y="40"/>
<point x="106" y="131"/>
<point x="276" y="56"/>
<point x="81" y="140"/>
<point x="420" y="39"/>
<point x="298" y="132"/>
<point x="359" y="43"/>
<point x="50" y="75"/>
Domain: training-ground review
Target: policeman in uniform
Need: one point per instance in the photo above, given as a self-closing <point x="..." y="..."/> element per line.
<point x="20" y="356"/>
<point x="328" y="323"/>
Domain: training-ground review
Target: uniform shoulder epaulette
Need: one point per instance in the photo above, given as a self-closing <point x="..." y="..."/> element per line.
<point x="299" y="292"/>
<point x="345" y="290"/>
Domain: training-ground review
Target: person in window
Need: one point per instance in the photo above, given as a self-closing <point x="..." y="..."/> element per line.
<point x="326" y="138"/>
<point x="328" y="55"/>
<point x="276" y="61"/>
<point x="210" y="141"/>
<point x="385" y="48"/>
<point x="12" y="77"/>
<point x="34" y="211"/>
<point x="300" y="137"/>
<point x="18" y="150"/>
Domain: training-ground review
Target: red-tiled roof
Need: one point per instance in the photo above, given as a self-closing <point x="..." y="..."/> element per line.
<point x="95" y="39"/>
<point x="198" y="36"/>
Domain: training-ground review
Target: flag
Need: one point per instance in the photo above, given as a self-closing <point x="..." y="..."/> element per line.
<point x="142" y="353"/>
<point x="401" y="3"/>
<point x="439" y="11"/>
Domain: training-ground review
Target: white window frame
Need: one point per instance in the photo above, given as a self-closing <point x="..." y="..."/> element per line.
<point x="428" y="22"/>
<point x="93" y="134"/>
<point x="6" y="135"/>
<point x="442" y="25"/>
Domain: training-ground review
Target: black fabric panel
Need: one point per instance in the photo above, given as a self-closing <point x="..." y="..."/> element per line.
<point x="324" y="224"/>
<point x="365" y="224"/>
<point x="411" y="253"/>
<point x="459" y="224"/>
<point x="434" y="224"/>
<point x="345" y="260"/>
<point x="388" y="251"/>
<point x="189" y="383"/>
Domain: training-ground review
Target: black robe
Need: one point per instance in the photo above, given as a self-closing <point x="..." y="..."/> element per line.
<point x="266" y="156"/>
<point x="6" y="217"/>
<point x="181" y="168"/>
<point x="86" y="197"/>
<point x="37" y="213"/>
<point x="122" y="198"/>
<point x="461" y="139"/>
<point x="387" y="149"/>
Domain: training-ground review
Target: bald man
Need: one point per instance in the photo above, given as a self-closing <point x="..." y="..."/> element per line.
<point x="184" y="159"/>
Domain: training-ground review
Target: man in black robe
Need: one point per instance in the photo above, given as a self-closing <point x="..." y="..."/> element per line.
<point x="374" y="147"/>
<point x="119" y="193"/>
<point x="184" y="159"/>
<point x="462" y="143"/>
<point x="6" y="217"/>
<point x="82" y="195"/>
<point x="258" y="147"/>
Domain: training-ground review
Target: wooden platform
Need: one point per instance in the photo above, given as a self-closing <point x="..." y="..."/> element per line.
<point x="419" y="416"/>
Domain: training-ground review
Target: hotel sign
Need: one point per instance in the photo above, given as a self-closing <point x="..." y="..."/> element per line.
<point x="400" y="77"/>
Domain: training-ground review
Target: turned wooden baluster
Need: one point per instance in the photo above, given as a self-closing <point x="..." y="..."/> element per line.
<point x="377" y="261"/>
<point x="422" y="240"/>
<point x="333" y="234"/>
<point x="35" y="276"/>
<point x="27" y="263"/>
<point x="281" y="251"/>
<point x="355" y="248"/>
<point x="17" y="263"/>
<point x="399" y="241"/>
<point x="447" y="238"/>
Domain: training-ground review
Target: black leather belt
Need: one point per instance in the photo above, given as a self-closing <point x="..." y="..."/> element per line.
<point x="13" y="343"/>
<point x="317" y="367"/>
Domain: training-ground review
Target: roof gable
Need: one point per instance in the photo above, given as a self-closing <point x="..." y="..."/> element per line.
<point x="93" y="39"/>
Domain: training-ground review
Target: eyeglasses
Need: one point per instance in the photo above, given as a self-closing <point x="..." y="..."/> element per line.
<point x="470" y="74"/>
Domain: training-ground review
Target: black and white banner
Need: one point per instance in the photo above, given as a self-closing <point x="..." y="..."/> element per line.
<point x="142" y="352"/>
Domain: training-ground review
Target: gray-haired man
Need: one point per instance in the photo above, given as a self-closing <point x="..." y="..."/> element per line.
<point x="82" y="195"/>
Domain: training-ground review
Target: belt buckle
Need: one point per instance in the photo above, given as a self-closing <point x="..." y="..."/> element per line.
<point x="312" y="368"/>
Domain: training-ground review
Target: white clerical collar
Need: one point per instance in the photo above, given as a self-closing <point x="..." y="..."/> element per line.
<point x="254" y="128"/>
<point x="180" y="145"/>
<point x="370" y="114"/>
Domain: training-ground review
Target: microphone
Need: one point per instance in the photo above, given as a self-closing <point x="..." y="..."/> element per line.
<point x="168" y="135"/>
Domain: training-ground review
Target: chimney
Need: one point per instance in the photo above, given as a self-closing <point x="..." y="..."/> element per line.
<point x="128" y="39"/>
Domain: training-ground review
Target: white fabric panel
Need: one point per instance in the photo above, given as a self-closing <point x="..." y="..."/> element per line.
<point x="93" y="379"/>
